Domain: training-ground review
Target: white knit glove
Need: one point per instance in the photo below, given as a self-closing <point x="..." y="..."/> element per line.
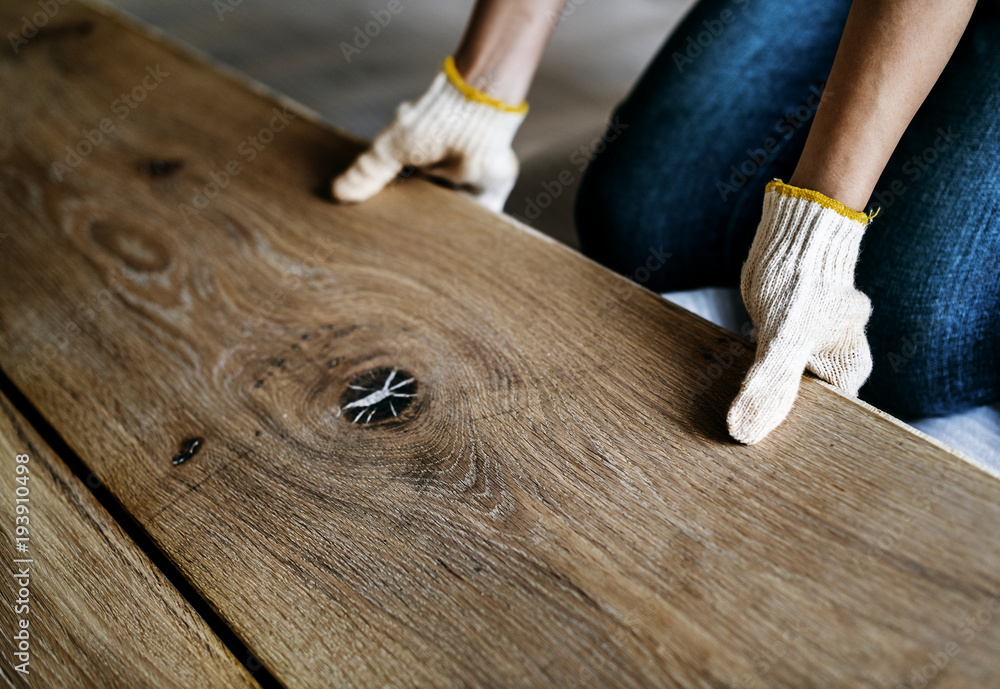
<point x="798" y="286"/>
<point x="454" y="132"/>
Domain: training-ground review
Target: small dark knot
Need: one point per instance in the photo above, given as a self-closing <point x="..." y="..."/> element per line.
<point x="189" y="448"/>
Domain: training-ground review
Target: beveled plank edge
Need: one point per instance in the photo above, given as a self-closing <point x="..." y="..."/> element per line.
<point x="889" y="418"/>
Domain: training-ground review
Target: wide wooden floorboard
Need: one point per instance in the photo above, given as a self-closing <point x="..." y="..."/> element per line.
<point x="552" y="499"/>
<point x="99" y="613"/>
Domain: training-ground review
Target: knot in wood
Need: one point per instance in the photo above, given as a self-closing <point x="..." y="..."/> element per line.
<point x="380" y="393"/>
<point x="189" y="448"/>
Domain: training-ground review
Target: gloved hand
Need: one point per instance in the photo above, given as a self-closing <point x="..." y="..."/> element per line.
<point x="798" y="286"/>
<point x="454" y="132"/>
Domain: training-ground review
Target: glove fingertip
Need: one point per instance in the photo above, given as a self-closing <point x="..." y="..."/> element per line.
<point x="345" y="189"/>
<point x="746" y="422"/>
<point x="493" y="199"/>
<point x="766" y="396"/>
<point x="369" y="175"/>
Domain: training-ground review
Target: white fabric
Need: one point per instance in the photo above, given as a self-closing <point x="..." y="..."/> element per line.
<point x="974" y="432"/>
<point x="465" y="142"/>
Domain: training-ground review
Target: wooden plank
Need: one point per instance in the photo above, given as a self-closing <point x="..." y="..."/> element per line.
<point x="558" y="504"/>
<point x="98" y="613"/>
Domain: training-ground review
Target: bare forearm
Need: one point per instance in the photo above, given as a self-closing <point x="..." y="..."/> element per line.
<point x="891" y="53"/>
<point x="503" y="44"/>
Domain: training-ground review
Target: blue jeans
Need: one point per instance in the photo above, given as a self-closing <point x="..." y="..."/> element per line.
<point x="725" y="107"/>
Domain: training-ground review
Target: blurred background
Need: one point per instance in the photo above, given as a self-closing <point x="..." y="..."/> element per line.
<point x="596" y="54"/>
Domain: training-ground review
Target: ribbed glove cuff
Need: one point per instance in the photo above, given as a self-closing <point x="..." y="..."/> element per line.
<point x="803" y="223"/>
<point x="473" y="94"/>
<point x="468" y="119"/>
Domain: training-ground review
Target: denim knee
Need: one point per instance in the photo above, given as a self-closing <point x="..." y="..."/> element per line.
<point x="649" y="227"/>
<point x="929" y="362"/>
<point x="604" y="216"/>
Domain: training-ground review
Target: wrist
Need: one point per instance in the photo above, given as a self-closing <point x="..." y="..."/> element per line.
<point x="780" y="188"/>
<point x="852" y="190"/>
<point x="477" y="94"/>
<point x="503" y="44"/>
<point x="801" y="225"/>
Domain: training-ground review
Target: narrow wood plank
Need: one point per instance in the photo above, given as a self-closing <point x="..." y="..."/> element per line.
<point x="97" y="612"/>
<point x="557" y="504"/>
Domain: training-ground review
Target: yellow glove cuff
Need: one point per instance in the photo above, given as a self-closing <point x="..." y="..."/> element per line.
<point x="799" y="193"/>
<point x="475" y="95"/>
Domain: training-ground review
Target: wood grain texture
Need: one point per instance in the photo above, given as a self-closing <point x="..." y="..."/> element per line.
<point x="557" y="504"/>
<point x="99" y="613"/>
